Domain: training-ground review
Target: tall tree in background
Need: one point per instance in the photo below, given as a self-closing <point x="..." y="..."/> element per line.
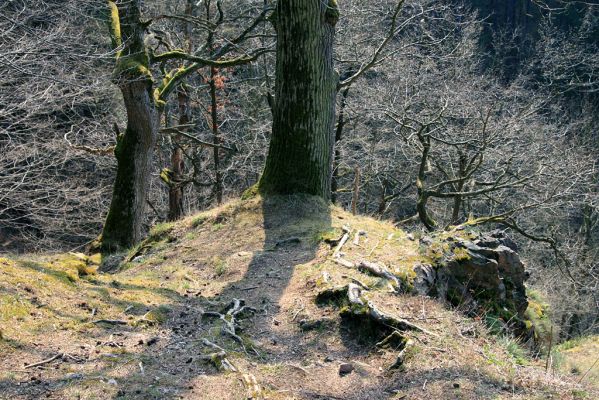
<point x="299" y="157"/>
<point x="134" y="147"/>
<point x="175" y="192"/>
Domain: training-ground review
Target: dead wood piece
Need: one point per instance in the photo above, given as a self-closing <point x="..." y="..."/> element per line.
<point x="342" y="241"/>
<point x="353" y="294"/>
<point x="357" y="237"/>
<point x="380" y="271"/>
<point x="359" y="283"/>
<point x="46" y="361"/>
<point x="110" y="321"/>
<point x="221" y="362"/>
<point x="344" y="262"/>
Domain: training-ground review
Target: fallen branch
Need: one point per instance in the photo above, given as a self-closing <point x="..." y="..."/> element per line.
<point x="344" y="262"/>
<point x="110" y="321"/>
<point x="49" y="360"/>
<point x="342" y="242"/>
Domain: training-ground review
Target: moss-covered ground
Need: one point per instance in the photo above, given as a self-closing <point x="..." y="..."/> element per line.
<point x="138" y="332"/>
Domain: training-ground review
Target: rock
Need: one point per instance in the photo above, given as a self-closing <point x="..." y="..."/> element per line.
<point x="425" y="278"/>
<point x="345" y="368"/>
<point x="482" y="271"/>
<point x="456" y="385"/>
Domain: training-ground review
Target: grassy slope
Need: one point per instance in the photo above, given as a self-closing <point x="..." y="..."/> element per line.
<point x="49" y="306"/>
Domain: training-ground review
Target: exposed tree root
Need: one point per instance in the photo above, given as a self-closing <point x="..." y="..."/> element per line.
<point x="254" y="391"/>
<point x="236" y="308"/>
<point x="357" y="306"/>
<point x="362" y="307"/>
<point x="219" y="359"/>
<point x="380" y="271"/>
<point x="395" y="340"/>
<point x="401" y="357"/>
<point x="372" y="268"/>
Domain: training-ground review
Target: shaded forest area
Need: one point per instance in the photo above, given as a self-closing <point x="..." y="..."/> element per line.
<point x="471" y="113"/>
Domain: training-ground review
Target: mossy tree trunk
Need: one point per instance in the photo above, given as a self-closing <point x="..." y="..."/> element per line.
<point x="123" y="226"/>
<point x="300" y="154"/>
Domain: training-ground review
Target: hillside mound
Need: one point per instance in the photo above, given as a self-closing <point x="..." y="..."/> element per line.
<point x="285" y="298"/>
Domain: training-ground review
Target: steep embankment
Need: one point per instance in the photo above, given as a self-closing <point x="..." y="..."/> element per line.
<point x="223" y="305"/>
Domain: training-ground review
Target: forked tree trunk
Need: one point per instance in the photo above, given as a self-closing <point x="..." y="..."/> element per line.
<point x="123" y="226"/>
<point x="300" y="153"/>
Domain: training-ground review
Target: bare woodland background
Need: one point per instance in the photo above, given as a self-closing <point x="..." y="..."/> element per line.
<point x="491" y="105"/>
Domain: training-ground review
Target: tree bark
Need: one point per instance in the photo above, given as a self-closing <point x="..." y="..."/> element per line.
<point x="134" y="148"/>
<point x="301" y="148"/>
<point x="175" y="192"/>
<point x="423" y="195"/>
<point x="218" y="180"/>
<point x="175" y="189"/>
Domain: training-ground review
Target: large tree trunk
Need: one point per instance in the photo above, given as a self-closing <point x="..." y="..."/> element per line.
<point x="300" y="154"/>
<point x="123" y="226"/>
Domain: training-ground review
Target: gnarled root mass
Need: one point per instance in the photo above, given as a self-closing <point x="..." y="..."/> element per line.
<point x="360" y="307"/>
<point x="235" y="309"/>
<point x="355" y="307"/>
<point x="219" y="357"/>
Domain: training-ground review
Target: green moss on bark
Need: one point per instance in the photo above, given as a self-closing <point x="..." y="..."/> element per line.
<point x="120" y="219"/>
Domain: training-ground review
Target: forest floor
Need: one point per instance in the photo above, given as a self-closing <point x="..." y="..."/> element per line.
<point x="148" y="330"/>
